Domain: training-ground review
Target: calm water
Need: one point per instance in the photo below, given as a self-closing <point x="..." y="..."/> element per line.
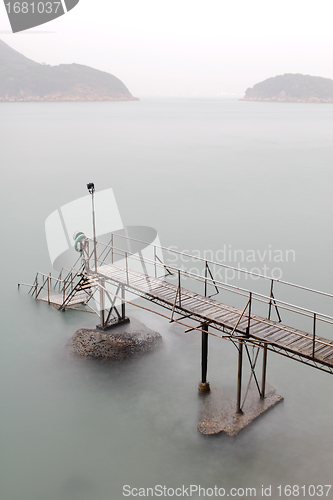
<point x="251" y="176"/>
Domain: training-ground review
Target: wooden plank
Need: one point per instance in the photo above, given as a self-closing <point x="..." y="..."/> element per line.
<point x="327" y="357"/>
<point x="323" y="350"/>
<point x="263" y="332"/>
<point x="318" y="347"/>
<point x="200" y="308"/>
<point x="139" y="284"/>
<point x="273" y="334"/>
<point x="190" y="303"/>
<point x="279" y="338"/>
<point x="244" y="322"/>
<point x="113" y="274"/>
<point x="298" y="342"/>
<point x="163" y="290"/>
<point x="158" y="287"/>
<point x="260" y="326"/>
<point x="188" y="300"/>
<point x="288" y="339"/>
<point x="231" y="318"/>
<point x="209" y="312"/>
<point x="221" y="314"/>
<point x="228" y="316"/>
<point x="166" y="296"/>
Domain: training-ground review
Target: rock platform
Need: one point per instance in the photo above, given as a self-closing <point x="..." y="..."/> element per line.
<point x="127" y="340"/>
<point x="218" y="411"/>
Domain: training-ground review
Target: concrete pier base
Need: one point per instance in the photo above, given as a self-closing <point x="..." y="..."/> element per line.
<point x="204" y="387"/>
<point x="218" y="412"/>
<point x="114" y="323"/>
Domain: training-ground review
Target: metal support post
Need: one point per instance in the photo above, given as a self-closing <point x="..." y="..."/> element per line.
<point x="239" y="383"/>
<point x="270" y="300"/>
<point x="155" y="261"/>
<point x="123" y="302"/>
<point x="249" y="320"/>
<point x="204" y="385"/>
<point x="126" y="262"/>
<point x="264" y="369"/>
<point x="102" y="304"/>
<point x="179" y="291"/>
<point x="314" y="335"/>
<point x="91" y="189"/>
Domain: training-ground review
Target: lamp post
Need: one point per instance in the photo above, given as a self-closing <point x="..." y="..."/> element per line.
<point x="91" y="189"/>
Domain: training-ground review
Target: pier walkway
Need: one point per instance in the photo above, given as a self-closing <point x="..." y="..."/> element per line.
<point x="227" y="319"/>
<point x="107" y="276"/>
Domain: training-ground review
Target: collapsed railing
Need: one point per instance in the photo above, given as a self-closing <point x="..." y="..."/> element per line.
<point x="49" y="283"/>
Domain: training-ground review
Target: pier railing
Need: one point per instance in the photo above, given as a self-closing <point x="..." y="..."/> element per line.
<point x="151" y="263"/>
<point x="49" y="283"/>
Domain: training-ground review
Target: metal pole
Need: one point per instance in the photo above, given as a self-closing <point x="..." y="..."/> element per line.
<point x="239" y="384"/>
<point x="249" y="320"/>
<point x="102" y="304"/>
<point x="91" y="189"/>
<point x="155" y="261"/>
<point x="123" y="302"/>
<point x="204" y="385"/>
<point x="264" y="366"/>
<point x="179" y="296"/>
<point x="270" y="301"/>
<point x="94" y="226"/>
<point x="314" y="335"/>
<point x="85" y="257"/>
<point x="206" y="279"/>
<point x="204" y="353"/>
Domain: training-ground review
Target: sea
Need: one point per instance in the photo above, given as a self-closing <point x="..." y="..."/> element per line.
<point x="246" y="183"/>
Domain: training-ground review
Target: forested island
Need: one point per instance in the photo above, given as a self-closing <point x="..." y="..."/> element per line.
<point x="292" y="88"/>
<point x="22" y="79"/>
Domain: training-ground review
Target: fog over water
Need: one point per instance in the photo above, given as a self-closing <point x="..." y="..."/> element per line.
<point x="185" y="47"/>
<point x="207" y="175"/>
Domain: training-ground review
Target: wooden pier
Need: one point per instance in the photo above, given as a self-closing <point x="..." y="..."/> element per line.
<point x="105" y="274"/>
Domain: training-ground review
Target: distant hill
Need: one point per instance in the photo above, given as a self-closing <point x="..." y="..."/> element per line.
<point x="292" y="88"/>
<point x="22" y="79"/>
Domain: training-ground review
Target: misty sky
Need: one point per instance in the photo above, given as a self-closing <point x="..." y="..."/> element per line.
<point x="186" y="47"/>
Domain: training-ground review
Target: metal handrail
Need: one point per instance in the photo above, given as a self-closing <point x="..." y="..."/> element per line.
<point x="220" y="284"/>
<point x="47" y="282"/>
<point x="271" y="300"/>
<point x="226" y="266"/>
<point x="259" y="297"/>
